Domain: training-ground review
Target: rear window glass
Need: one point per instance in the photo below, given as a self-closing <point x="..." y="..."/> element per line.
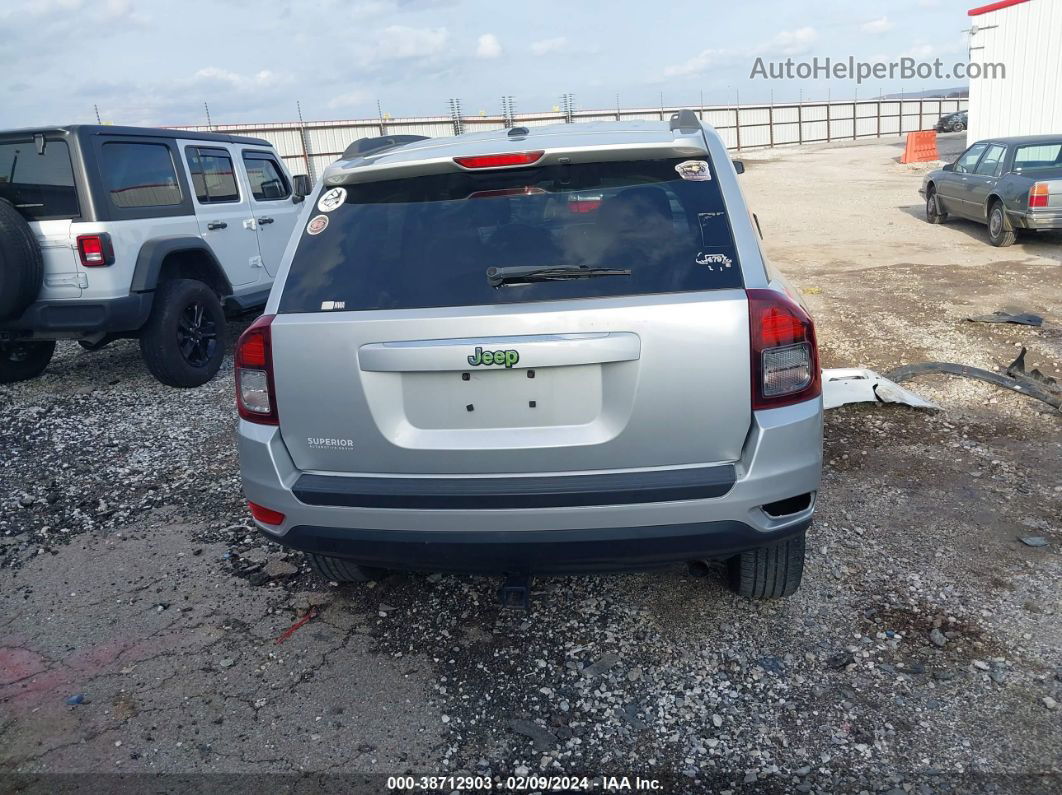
<point x="213" y="178"/>
<point x="40" y="186"/>
<point x="428" y="241"/>
<point x="1038" y="157"/>
<point x="140" y="175"/>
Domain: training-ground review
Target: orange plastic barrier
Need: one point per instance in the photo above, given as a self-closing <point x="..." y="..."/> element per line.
<point x="921" y="147"/>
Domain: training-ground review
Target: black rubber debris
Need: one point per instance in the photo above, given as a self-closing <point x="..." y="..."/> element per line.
<point x="1021" y="318"/>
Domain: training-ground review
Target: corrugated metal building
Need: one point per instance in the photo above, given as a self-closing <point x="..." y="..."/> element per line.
<point x="1026" y="37"/>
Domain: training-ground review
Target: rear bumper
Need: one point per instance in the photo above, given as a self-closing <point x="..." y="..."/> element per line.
<point x="75" y="318"/>
<point x="564" y="531"/>
<point x="533" y="551"/>
<point x="1046" y="220"/>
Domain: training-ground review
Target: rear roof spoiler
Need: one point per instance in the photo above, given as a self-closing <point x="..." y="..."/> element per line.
<point x="369" y="146"/>
<point x="685" y="119"/>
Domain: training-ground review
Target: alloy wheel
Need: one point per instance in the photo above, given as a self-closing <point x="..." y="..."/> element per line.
<point x="197" y="335"/>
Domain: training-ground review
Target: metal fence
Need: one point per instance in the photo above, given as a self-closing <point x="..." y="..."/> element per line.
<point x="309" y="147"/>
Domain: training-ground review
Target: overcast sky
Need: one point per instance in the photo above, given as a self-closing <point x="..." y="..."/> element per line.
<point x="155" y="62"/>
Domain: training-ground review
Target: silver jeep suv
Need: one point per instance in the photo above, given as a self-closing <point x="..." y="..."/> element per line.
<point x="533" y="351"/>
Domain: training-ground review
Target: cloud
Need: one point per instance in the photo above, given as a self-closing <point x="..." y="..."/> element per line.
<point x="791" y="42"/>
<point x="488" y="46"/>
<point x="370" y="8"/>
<point x="546" y="46"/>
<point x="919" y="51"/>
<point x="262" y="79"/>
<point x="787" y="42"/>
<point x="42" y="7"/>
<point x="401" y="42"/>
<point x="879" y="25"/>
<point x="695" y="65"/>
<point x="350" y="99"/>
<point x="121" y="11"/>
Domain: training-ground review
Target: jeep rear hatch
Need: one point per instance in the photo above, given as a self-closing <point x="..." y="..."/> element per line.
<point x="37" y="177"/>
<point x="398" y="348"/>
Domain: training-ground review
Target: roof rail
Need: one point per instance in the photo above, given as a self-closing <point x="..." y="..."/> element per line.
<point x="370" y="146"/>
<point x="685" y="119"/>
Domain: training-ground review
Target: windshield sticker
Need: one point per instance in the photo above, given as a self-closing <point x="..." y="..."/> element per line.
<point x="694" y="170"/>
<point x="331" y="306"/>
<point x="317" y="225"/>
<point x="331" y="199"/>
<point x="722" y="260"/>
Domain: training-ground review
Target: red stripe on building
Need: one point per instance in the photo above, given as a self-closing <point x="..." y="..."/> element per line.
<point x="974" y="12"/>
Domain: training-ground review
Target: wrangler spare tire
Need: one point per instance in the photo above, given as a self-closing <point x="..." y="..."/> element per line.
<point x="21" y="264"/>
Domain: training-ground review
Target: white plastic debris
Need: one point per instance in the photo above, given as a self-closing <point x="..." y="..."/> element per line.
<point x="842" y="385"/>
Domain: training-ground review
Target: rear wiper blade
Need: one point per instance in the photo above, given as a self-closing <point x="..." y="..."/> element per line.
<point x="525" y="274"/>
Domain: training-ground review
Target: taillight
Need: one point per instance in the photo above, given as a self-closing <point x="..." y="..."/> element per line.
<point x="1038" y="195"/>
<point x="255" y="393"/>
<point x="96" y="250"/>
<point x="785" y="358"/>
<point x="500" y="161"/>
<point x="265" y="515"/>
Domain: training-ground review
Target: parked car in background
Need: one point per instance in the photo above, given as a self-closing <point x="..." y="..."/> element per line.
<point x="952" y="122"/>
<point x="109" y="232"/>
<point x="538" y="350"/>
<point x="1010" y="184"/>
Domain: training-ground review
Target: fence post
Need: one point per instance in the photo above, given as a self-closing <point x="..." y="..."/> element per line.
<point x="800" y="123"/>
<point x="455" y="116"/>
<point x="827" y="121"/>
<point x="306" y="152"/>
<point x="770" y="123"/>
<point x="737" y="126"/>
<point x="305" y="141"/>
<point x="878" y="128"/>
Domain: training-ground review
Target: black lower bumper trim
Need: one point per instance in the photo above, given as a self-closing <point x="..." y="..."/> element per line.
<point x="535" y="551"/>
<point x="553" y="491"/>
<point x="75" y="318"/>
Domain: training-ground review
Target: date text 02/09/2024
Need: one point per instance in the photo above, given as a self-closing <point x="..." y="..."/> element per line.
<point x="527" y="783"/>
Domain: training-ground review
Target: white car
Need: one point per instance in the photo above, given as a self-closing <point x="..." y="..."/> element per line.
<point x="117" y="232"/>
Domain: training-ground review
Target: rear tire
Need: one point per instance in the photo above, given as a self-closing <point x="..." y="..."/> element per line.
<point x="21" y="361"/>
<point x="958" y="127"/>
<point x="340" y="570"/>
<point x="934" y="214"/>
<point x="183" y="341"/>
<point x="21" y="263"/>
<point x="768" y="572"/>
<point x="1000" y="233"/>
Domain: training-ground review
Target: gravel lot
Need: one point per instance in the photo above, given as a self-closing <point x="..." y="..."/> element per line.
<point x="922" y="654"/>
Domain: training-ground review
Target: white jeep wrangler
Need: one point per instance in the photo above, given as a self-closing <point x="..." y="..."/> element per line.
<point x="124" y="232"/>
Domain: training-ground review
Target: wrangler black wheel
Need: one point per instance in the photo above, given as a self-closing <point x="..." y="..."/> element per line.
<point x="183" y="342"/>
<point x="20" y="361"/>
